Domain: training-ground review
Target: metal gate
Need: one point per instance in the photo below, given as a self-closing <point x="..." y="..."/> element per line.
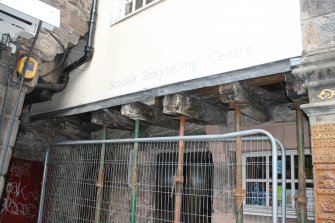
<point x="135" y="180"/>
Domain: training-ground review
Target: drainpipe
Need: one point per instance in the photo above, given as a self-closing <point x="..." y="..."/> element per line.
<point x="17" y="99"/>
<point x="179" y="180"/>
<point x="134" y="175"/>
<point x="239" y="190"/>
<point x="46" y="90"/>
<point x="301" y="199"/>
<point x="100" y="181"/>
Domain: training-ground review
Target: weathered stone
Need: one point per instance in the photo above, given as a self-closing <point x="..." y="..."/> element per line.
<point x="112" y="119"/>
<point x="48" y="47"/>
<point x="35" y="137"/>
<point x="11" y="97"/>
<point x="149" y="114"/>
<point x="7" y="160"/>
<point x="314" y="8"/>
<point x="5" y="131"/>
<point x="7" y="69"/>
<point x="2" y="184"/>
<point x="295" y="89"/>
<point x="252" y="99"/>
<point x="197" y="110"/>
<point x="318" y="33"/>
<point x="74" y="16"/>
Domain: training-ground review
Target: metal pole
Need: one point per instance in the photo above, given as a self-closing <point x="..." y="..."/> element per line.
<point x="179" y="180"/>
<point x="44" y="181"/>
<point x="17" y="100"/>
<point x="100" y="181"/>
<point x="239" y="190"/>
<point x="301" y="199"/>
<point x="283" y="179"/>
<point x="134" y="176"/>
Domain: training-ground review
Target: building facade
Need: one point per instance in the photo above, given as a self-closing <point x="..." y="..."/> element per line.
<point x="273" y="58"/>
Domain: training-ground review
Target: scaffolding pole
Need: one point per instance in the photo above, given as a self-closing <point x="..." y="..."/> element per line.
<point x="301" y="199"/>
<point x="100" y="181"/>
<point x="134" y="175"/>
<point x="179" y="179"/>
<point x="239" y="190"/>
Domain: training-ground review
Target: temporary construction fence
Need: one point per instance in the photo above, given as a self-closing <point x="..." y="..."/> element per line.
<point x="135" y="180"/>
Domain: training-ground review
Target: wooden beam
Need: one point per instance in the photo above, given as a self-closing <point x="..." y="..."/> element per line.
<point x="253" y="100"/>
<point x="267" y="80"/>
<point x="197" y="110"/>
<point x="149" y="114"/>
<point x="113" y="119"/>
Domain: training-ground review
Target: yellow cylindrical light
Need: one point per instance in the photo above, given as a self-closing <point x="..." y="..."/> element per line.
<point x="31" y="67"/>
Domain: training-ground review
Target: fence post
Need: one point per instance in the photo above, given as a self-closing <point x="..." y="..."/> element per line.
<point x="100" y="180"/>
<point x="301" y="199"/>
<point x="239" y="190"/>
<point x="179" y="180"/>
<point x="134" y="175"/>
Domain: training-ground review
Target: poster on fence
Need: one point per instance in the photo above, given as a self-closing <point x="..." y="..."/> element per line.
<point x="22" y="192"/>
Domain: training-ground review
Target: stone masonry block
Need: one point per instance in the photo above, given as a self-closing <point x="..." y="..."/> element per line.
<point x="7" y="161"/>
<point x="2" y="184"/>
<point x="11" y="96"/>
<point x="4" y="132"/>
<point x="3" y="78"/>
<point x="318" y="33"/>
<point x="4" y="69"/>
<point x="315" y="8"/>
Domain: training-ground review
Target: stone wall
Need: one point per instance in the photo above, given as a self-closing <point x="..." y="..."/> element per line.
<point x="34" y="137"/>
<point x="316" y="74"/>
<point x="74" y="16"/>
<point x="5" y="75"/>
<point x="73" y="26"/>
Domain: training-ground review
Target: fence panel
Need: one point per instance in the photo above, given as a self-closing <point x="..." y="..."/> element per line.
<point x="138" y="177"/>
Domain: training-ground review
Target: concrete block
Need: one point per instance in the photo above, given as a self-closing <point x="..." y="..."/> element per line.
<point x="318" y="33"/>
<point x="5" y="131"/>
<point x="7" y="161"/>
<point x="315" y="8"/>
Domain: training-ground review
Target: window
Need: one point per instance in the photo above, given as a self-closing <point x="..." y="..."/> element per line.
<point x="257" y="181"/>
<point x="122" y="9"/>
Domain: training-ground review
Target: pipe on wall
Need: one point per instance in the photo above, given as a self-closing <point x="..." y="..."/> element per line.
<point x="45" y="91"/>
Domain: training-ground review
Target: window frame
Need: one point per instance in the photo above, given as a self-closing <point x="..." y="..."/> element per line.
<point x="119" y="9"/>
<point x="260" y="209"/>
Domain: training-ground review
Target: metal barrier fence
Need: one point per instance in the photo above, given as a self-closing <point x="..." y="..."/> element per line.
<point x="134" y="180"/>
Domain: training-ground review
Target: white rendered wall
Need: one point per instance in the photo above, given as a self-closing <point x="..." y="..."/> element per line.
<point x="180" y="40"/>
